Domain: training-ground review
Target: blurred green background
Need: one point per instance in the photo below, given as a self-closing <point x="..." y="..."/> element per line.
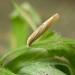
<point x="46" y="8"/>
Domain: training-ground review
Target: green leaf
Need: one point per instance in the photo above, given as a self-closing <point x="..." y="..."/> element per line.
<point x="54" y="50"/>
<point x="39" y="69"/>
<point x="35" y="61"/>
<point x="59" y="48"/>
<point x="4" y="71"/>
<point x="20" y="34"/>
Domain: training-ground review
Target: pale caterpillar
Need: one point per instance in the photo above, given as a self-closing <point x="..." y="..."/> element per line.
<point x="41" y="29"/>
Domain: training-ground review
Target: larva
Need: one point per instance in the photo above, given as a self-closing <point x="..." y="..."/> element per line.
<point x="41" y="29"/>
